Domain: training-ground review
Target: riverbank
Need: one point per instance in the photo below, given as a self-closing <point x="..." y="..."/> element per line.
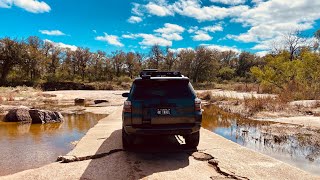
<point x="265" y="107"/>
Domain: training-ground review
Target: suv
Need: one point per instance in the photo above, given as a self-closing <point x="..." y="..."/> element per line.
<point x="161" y="103"/>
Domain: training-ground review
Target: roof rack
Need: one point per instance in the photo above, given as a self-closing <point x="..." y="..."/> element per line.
<point x="154" y="73"/>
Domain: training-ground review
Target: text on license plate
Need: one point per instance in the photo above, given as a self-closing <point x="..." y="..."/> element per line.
<point x="163" y="112"/>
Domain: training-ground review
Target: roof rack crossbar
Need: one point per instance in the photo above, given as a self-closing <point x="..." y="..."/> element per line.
<point x="160" y="74"/>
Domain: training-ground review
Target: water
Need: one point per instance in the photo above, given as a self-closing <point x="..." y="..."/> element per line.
<point x="292" y="144"/>
<point x="26" y="146"/>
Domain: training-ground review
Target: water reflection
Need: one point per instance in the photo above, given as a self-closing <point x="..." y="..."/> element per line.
<point x="289" y="143"/>
<point x="25" y="146"/>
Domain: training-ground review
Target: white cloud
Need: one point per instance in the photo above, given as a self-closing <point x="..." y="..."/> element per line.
<point x="193" y="29"/>
<point x="111" y="39"/>
<point x="62" y="45"/>
<point x="181" y="49"/>
<point x="33" y="6"/>
<point x="52" y="32"/>
<point x="170" y="28"/>
<point x="229" y="2"/>
<point x="137" y="9"/>
<point x="158" y="10"/>
<point x="171" y="31"/>
<point x="150" y="40"/>
<point x="128" y="36"/>
<point x="172" y="36"/>
<point x="134" y="19"/>
<point x="5" y="3"/>
<point x="193" y="8"/>
<point x="262" y="53"/>
<point x="272" y="18"/>
<point x="213" y="28"/>
<point x="201" y="36"/>
<point x="221" y="48"/>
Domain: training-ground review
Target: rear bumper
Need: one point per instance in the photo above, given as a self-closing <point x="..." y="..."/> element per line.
<point x="158" y="130"/>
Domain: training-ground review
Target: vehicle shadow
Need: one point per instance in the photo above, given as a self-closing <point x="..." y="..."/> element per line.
<point x="150" y="155"/>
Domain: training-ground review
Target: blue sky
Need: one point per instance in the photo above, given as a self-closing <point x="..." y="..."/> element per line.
<point x="135" y="25"/>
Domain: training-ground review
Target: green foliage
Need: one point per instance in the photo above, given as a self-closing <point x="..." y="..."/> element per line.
<point x="299" y="78"/>
<point x="226" y="73"/>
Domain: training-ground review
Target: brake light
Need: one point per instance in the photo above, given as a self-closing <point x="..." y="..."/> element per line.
<point x="127" y="106"/>
<point x="197" y="105"/>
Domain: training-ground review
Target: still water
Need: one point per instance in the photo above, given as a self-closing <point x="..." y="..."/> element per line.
<point x="292" y="144"/>
<point x="25" y="146"/>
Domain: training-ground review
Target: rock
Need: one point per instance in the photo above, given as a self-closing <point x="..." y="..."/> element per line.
<point x="18" y="115"/>
<point x="67" y="159"/>
<point x="34" y="116"/>
<point x="200" y="156"/>
<point x="79" y="101"/>
<point x="44" y="116"/>
<point x="48" y="95"/>
<point x="98" y="101"/>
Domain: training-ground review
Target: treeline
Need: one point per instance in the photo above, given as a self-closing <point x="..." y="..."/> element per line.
<point x="35" y="60"/>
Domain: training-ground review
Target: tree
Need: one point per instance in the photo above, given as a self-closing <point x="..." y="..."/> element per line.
<point x="317" y="36"/>
<point x="118" y="60"/>
<point x="81" y="57"/>
<point x="169" y="60"/>
<point x="11" y="53"/>
<point x="156" y="57"/>
<point x="245" y="62"/>
<point x="205" y="65"/>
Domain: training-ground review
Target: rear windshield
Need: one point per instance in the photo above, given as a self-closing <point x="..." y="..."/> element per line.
<point x="176" y="89"/>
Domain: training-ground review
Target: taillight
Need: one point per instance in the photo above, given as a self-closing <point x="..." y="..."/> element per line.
<point x="197" y="105"/>
<point x="127" y="106"/>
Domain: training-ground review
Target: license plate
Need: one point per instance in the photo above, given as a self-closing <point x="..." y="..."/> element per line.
<point x="163" y="111"/>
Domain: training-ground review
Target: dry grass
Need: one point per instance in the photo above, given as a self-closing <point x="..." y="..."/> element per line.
<point x="209" y="97"/>
<point x="241" y="87"/>
<point x="254" y="105"/>
<point x="21" y="92"/>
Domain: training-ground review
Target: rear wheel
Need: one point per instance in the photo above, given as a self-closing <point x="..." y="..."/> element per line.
<point x="127" y="140"/>
<point x="192" y="140"/>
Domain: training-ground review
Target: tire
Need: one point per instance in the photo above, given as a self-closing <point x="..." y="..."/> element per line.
<point x="192" y="140"/>
<point x="127" y="140"/>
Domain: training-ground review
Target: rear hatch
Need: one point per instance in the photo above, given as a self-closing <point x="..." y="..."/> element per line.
<point x="162" y="102"/>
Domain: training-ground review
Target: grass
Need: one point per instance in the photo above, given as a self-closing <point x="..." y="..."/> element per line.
<point x="10" y="93"/>
<point x="209" y="97"/>
<point x="267" y="103"/>
<point x="243" y="87"/>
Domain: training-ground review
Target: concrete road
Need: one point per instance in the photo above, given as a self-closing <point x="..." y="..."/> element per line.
<point x="161" y="158"/>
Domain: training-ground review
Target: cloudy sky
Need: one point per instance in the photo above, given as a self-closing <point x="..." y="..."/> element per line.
<point x="135" y="25"/>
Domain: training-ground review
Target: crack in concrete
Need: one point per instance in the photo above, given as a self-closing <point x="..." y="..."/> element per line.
<point x="69" y="159"/>
<point x="202" y="156"/>
<point x="215" y="165"/>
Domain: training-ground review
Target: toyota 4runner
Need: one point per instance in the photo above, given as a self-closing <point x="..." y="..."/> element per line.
<point x="161" y="103"/>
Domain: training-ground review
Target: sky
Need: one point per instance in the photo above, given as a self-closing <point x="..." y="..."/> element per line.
<point x="136" y="25"/>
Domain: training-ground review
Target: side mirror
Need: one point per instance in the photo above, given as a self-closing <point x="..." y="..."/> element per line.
<point x="125" y="94"/>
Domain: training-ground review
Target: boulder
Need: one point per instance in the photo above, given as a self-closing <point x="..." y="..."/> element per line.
<point x="98" y="101"/>
<point x="79" y="101"/>
<point x="34" y="116"/>
<point x="44" y="116"/>
<point x="18" y="115"/>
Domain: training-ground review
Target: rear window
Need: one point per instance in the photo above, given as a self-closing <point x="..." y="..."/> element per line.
<point x="176" y="89"/>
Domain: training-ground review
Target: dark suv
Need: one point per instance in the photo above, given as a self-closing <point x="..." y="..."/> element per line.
<point x="161" y="103"/>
